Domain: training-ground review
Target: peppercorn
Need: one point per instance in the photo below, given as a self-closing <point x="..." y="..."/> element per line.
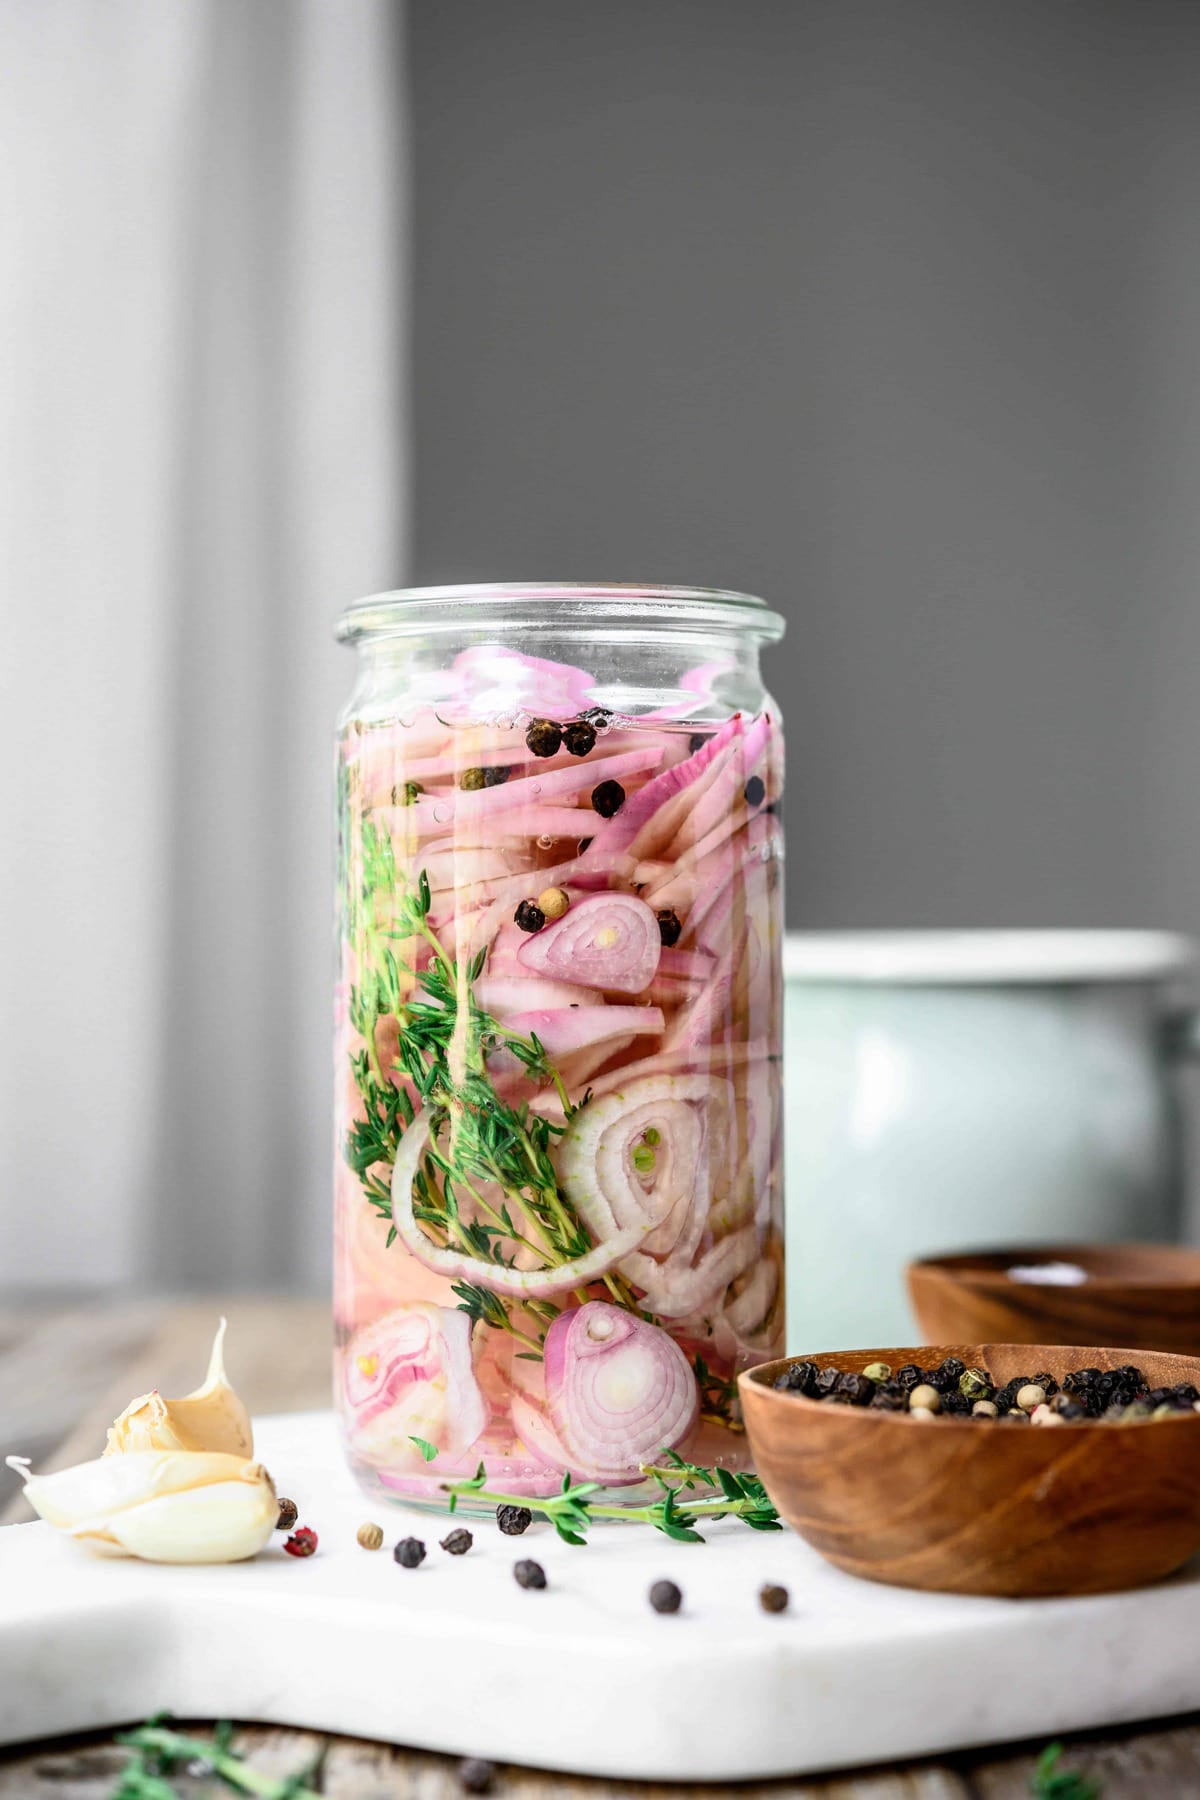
<point x="302" y="1542"/>
<point x="670" y="927"/>
<point x="824" y="1381"/>
<point x="798" y="1378"/>
<point x="553" y="902"/>
<point x="889" y="1396"/>
<point x="975" y="1384"/>
<point x="985" y="1409"/>
<point x="497" y="775"/>
<point x="665" y="1597"/>
<point x="949" y="1373"/>
<point x="925" y="1398"/>
<point x="773" y="1599"/>
<point x="476" y="1776"/>
<point x="608" y="798"/>
<point x="288" y="1514"/>
<point x="408" y="795"/>
<point x="543" y="737"/>
<point x="513" y="1520"/>
<point x="908" y="1376"/>
<point x="370" y="1536"/>
<point x="472" y="780"/>
<point x="954" y="1402"/>
<point x="755" y="791"/>
<point x="1045" y="1380"/>
<point x="855" y="1389"/>
<point x="877" y="1371"/>
<point x="1031" y="1395"/>
<point x="1065" y="1407"/>
<point x="458" y="1542"/>
<point x="697" y="741"/>
<point x="529" y="1574"/>
<point x="529" y="916"/>
<point x="579" y="737"/>
<point x="409" y="1553"/>
<point x="1016" y="1416"/>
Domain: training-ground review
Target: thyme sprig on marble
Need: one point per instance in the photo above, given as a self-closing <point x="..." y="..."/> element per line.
<point x="571" y="1511"/>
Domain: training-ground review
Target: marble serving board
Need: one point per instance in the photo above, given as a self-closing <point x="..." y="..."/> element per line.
<point x="454" y="1656"/>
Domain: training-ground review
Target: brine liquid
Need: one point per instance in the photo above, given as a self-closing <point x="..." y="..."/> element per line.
<point x="559" y="1008"/>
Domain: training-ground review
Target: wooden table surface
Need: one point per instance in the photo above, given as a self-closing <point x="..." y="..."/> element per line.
<point x="65" y="1372"/>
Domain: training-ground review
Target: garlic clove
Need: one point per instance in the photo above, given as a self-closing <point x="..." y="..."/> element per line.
<point x="164" y="1506"/>
<point x="108" y="1486"/>
<point x="225" y="1522"/>
<point x="211" y="1418"/>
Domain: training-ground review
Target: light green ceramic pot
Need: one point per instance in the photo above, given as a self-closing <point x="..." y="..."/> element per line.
<point x="951" y="1090"/>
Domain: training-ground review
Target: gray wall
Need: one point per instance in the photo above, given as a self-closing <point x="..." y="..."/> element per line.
<point x="888" y="312"/>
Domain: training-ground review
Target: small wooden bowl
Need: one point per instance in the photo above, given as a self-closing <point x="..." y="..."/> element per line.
<point x="1147" y="1295"/>
<point x="969" y="1507"/>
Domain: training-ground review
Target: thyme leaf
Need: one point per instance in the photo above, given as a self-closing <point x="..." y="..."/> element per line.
<point x="157" y="1752"/>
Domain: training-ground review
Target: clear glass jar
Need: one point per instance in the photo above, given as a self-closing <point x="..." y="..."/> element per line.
<point x="559" y="1186"/>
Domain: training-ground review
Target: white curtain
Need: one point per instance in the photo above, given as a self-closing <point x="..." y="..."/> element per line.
<point x="201" y="457"/>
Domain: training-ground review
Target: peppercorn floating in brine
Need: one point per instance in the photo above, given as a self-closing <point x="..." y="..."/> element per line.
<point x="951" y="1390"/>
<point x="559" y="1207"/>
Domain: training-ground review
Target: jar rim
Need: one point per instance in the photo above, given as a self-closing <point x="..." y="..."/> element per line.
<point x="568" y="605"/>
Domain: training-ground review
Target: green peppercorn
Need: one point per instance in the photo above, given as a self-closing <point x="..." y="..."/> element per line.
<point x="472" y="780"/>
<point x="543" y="737"/>
<point x="408" y="794"/>
<point x="579" y="737"/>
<point x="877" y="1371"/>
<point x="975" y="1384"/>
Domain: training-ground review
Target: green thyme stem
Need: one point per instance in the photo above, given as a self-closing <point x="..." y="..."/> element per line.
<point x="172" y="1747"/>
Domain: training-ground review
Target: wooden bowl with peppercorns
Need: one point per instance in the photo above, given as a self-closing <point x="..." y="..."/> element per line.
<point x="928" y="1496"/>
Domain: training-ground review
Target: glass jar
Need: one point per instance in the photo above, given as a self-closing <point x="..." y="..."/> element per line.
<point x="559" y="1185"/>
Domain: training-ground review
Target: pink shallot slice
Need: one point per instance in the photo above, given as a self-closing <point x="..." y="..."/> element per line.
<point x="609" y="941"/>
<point x="620" y="1389"/>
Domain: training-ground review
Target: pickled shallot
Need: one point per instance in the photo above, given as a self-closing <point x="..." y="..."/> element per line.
<point x="559" y="1198"/>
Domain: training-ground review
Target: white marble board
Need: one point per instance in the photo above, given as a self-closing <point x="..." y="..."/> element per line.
<point x="454" y="1656"/>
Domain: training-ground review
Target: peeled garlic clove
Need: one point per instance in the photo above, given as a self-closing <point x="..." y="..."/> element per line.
<point x="164" y="1506"/>
<point x="210" y="1418"/>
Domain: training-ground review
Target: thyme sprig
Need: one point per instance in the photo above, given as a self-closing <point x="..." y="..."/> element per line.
<point x="1050" y="1782"/>
<point x="478" y="1142"/>
<point x="158" y="1752"/>
<point x="570" y="1511"/>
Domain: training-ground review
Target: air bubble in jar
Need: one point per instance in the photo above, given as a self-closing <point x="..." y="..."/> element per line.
<point x="442" y="814"/>
<point x="545" y="842"/>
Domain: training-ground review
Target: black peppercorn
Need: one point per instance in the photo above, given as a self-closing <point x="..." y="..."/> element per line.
<point x="856" y="1389"/>
<point x="669" y="927"/>
<point x="665" y="1597"/>
<point x="608" y="798"/>
<point x="697" y="741"/>
<point x="513" y="1520"/>
<point x="579" y="737"/>
<point x="889" y="1396"/>
<point x="409" y="1553"/>
<point x="755" y="791"/>
<point x="289" y="1512"/>
<point x="543" y="737"/>
<point x="951" y="1371"/>
<point x="954" y="1402"/>
<point x="472" y="780"/>
<point x="825" y="1381"/>
<point x="529" y="1574"/>
<point x="529" y="916"/>
<point x="908" y="1377"/>
<point x="773" y="1599"/>
<point x="476" y="1776"/>
<point x="1066" y="1408"/>
<point x="458" y="1543"/>
<point x="1046" y="1382"/>
<point x="496" y="776"/>
<point x="798" y="1378"/>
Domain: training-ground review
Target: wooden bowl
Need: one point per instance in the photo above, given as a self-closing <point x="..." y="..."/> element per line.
<point x="1147" y="1295"/>
<point x="969" y="1507"/>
